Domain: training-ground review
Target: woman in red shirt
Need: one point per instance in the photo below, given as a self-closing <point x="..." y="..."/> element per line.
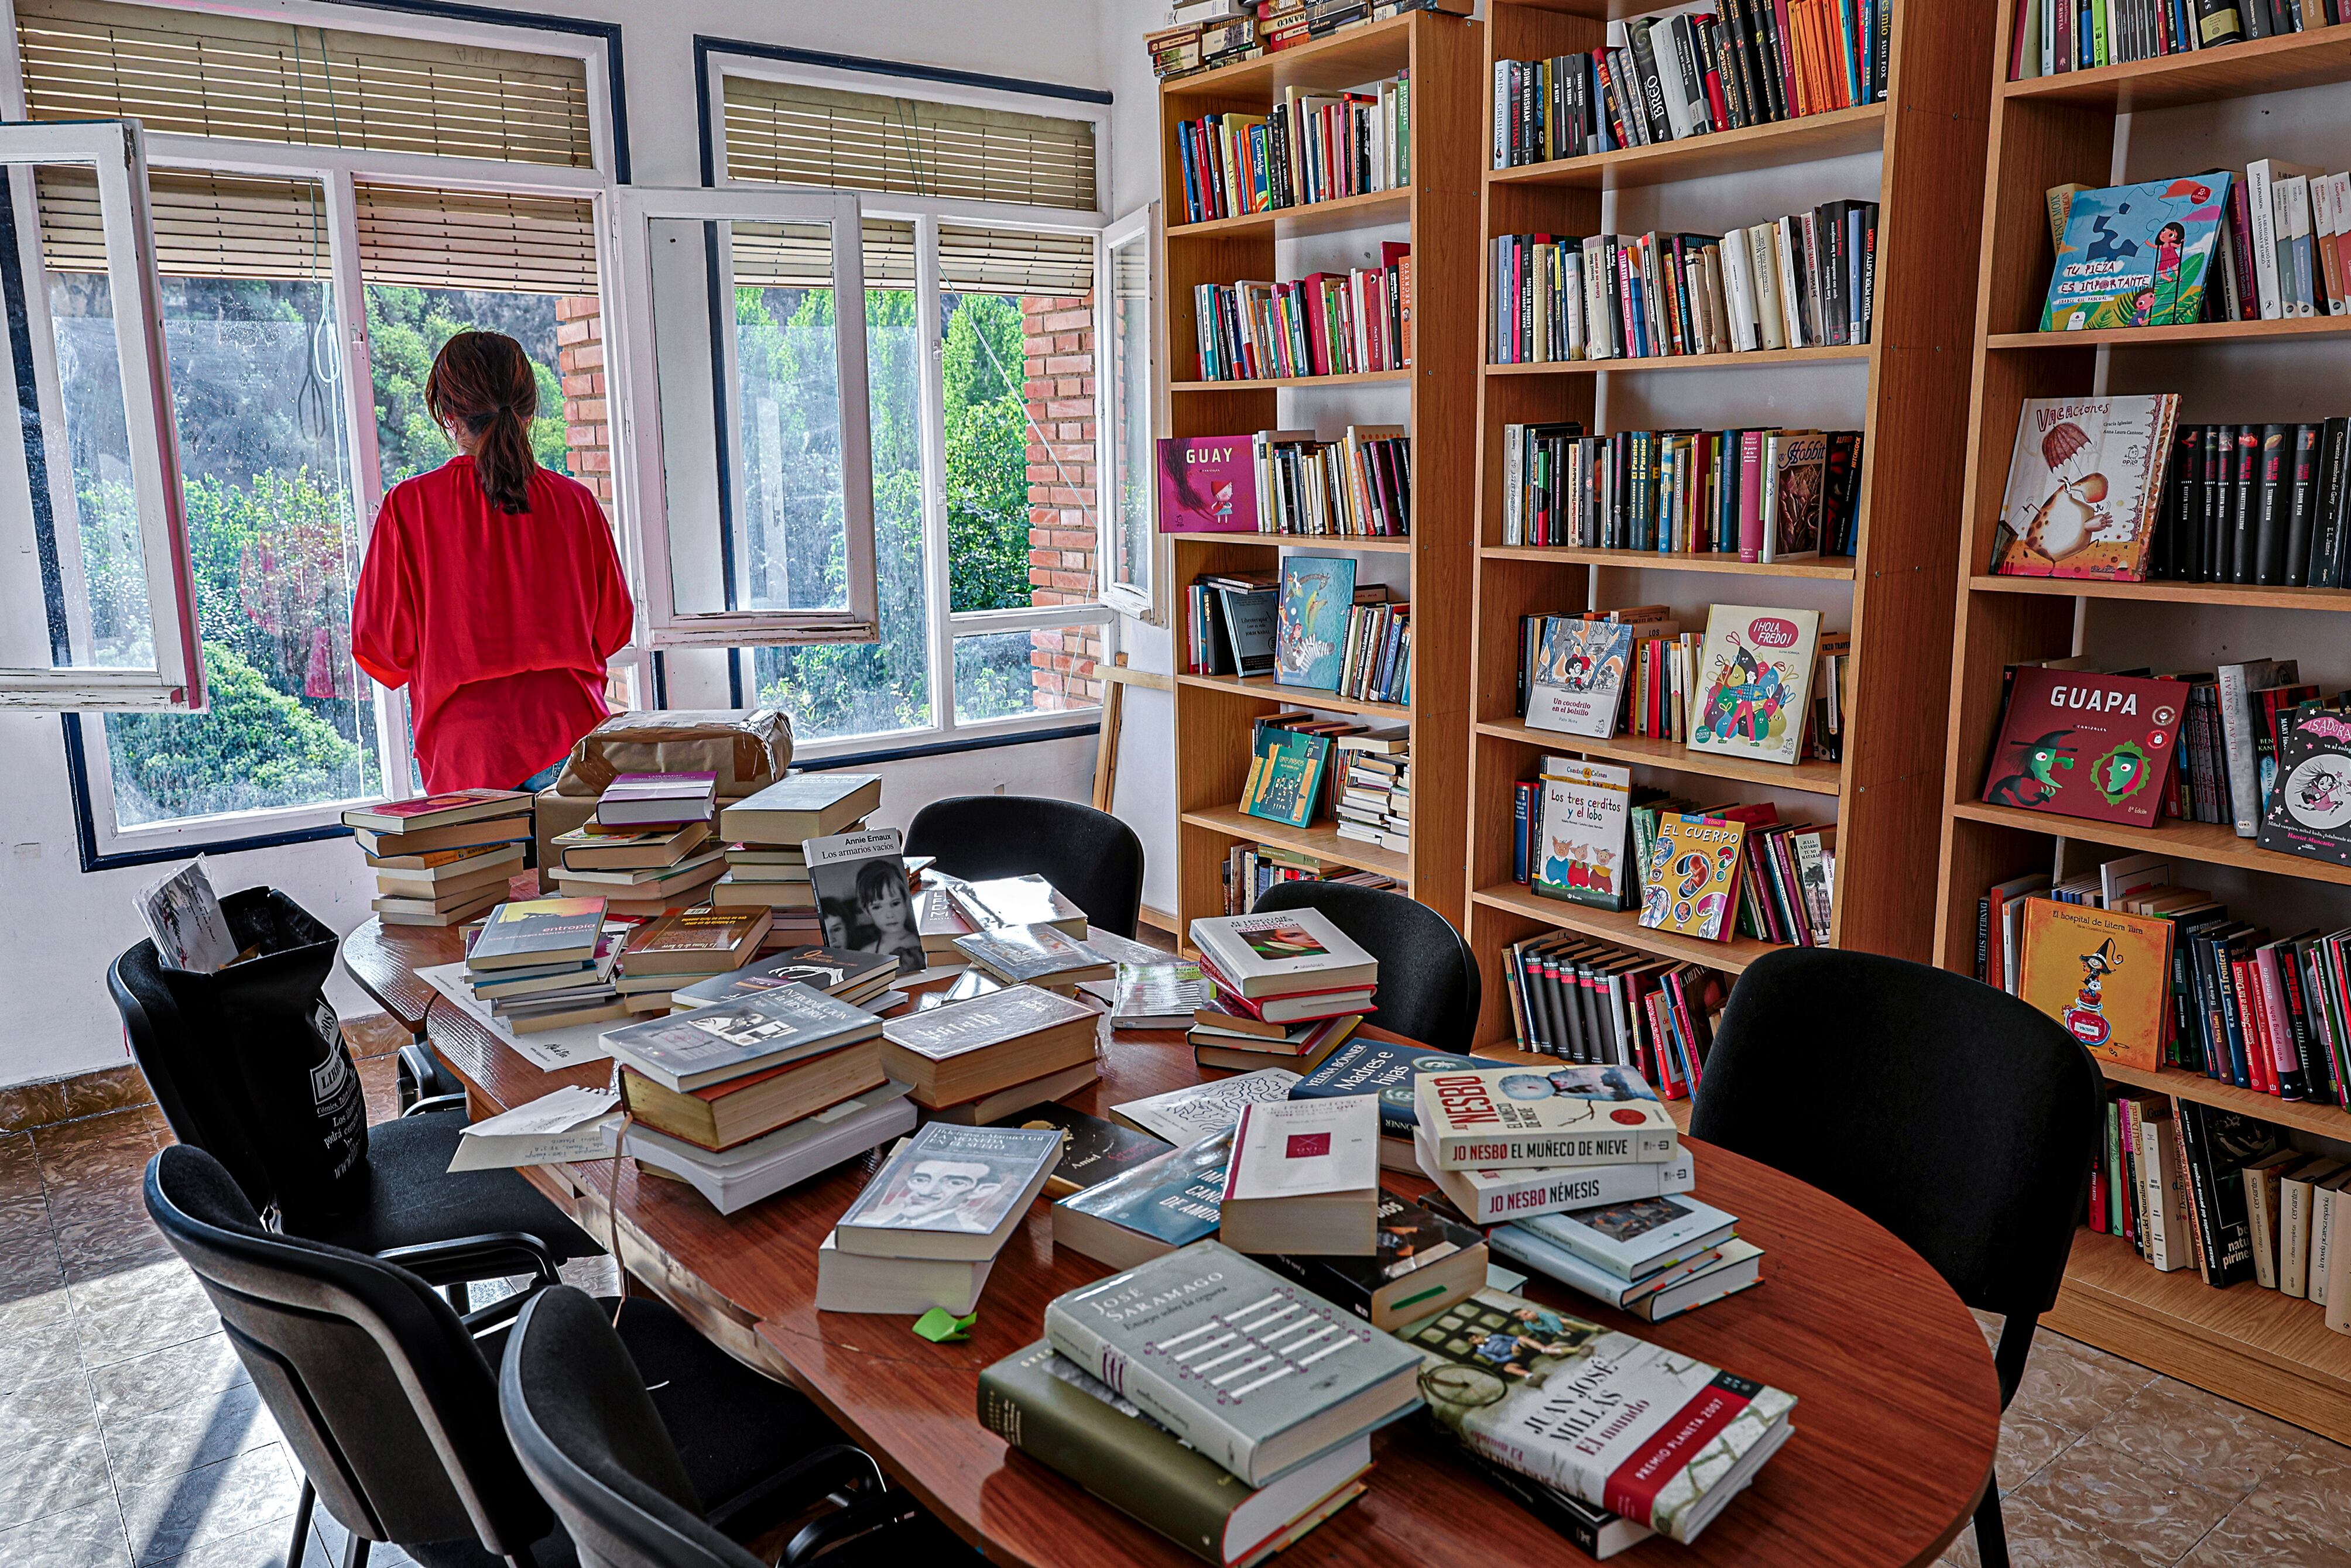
<point x="491" y="588"/>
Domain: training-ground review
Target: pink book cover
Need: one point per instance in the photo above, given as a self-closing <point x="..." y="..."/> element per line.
<point x="1316" y="286"/>
<point x="1751" y="494"/>
<point x="1207" y="483"/>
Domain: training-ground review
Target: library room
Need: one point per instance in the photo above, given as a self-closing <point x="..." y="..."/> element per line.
<point x="963" y="780"/>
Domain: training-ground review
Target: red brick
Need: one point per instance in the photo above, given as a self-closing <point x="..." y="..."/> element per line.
<point x="587" y="357"/>
<point x="1039" y="577"/>
<point x="1057" y="408"/>
<point x="1069" y="321"/>
<point x="595" y="460"/>
<point x="1070" y="538"/>
<point x="1076" y="582"/>
<point x="1044" y="558"/>
<point x="579" y="386"/>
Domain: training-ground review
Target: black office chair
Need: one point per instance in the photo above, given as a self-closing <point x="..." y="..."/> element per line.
<point x="388" y="1399"/>
<point x="1984" y="1117"/>
<point x="587" y="1435"/>
<point x="1429" y="987"/>
<point x="414" y="1201"/>
<point x="1093" y="857"/>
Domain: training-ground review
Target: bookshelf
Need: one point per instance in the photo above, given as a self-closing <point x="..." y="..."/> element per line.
<point x="1434" y="399"/>
<point x="2123" y="123"/>
<point x="1907" y="389"/>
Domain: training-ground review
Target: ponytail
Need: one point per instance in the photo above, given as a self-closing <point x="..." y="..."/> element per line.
<point x="484" y="382"/>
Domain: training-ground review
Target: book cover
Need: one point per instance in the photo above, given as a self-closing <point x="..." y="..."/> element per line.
<point x="960" y="1028"/>
<point x="2075" y="743"/>
<point x="826" y="969"/>
<point x="2102" y="974"/>
<point x="1284" y="952"/>
<point x="1154" y="995"/>
<point x="949" y="1180"/>
<point x="1692" y="880"/>
<point x="1198" y="1111"/>
<point x="1311" y="627"/>
<point x="2137" y="255"/>
<point x="801" y="806"/>
<point x="1581" y="832"/>
<point x="1093" y="1150"/>
<point x="1304" y="1148"/>
<point x="1285" y="776"/>
<point x="1400" y="1283"/>
<point x="1502" y="1117"/>
<point x="691" y="939"/>
<point x="1207" y="483"/>
<point x="2085" y="487"/>
<point x="1033" y="955"/>
<point x="1499" y="1197"/>
<point x="1636" y="1237"/>
<point x="1028" y="900"/>
<point x="1798" y="489"/>
<point x="665" y="797"/>
<point x="537" y="931"/>
<point x="1386" y="1069"/>
<point x="1578" y="681"/>
<point x="685" y="1050"/>
<point x="863" y="897"/>
<point x="1754" y="679"/>
<point x="2309" y="811"/>
<point x="1249" y="618"/>
<point x="1169" y="1201"/>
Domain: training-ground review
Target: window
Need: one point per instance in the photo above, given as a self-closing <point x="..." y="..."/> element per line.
<point x="981" y="322"/>
<point x="1131" y="574"/>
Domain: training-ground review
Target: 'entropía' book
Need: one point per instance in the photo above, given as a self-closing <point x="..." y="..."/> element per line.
<point x="1498" y="1118"/>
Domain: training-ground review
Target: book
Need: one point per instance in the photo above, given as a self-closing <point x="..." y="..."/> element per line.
<point x="1489" y="1196"/>
<point x="1497" y="1118"/>
<point x="1168" y="1201"/>
<point x="1185" y="1116"/>
<point x="2085" y="487"/>
<point x="862" y="894"/>
<point x="1093" y="1150"/>
<point x="1755" y="675"/>
<point x="1321" y="1376"/>
<point x="1310" y="629"/>
<point x="969" y="1048"/>
<point x="1028" y="900"/>
<point x="835" y="972"/>
<point x="2309" y="811"/>
<point x="1660" y="1437"/>
<point x="850" y="1281"/>
<point x="1637" y="1238"/>
<point x="801" y="806"/>
<point x="2219" y="1145"/>
<point x="1285" y="776"/>
<point x="1705" y="1276"/>
<point x="694" y="942"/>
<point x="1207" y="483"/>
<point x="1582" y="831"/>
<point x="736" y="1178"/>
<point x="2102" y="974"/>
<point x="1296" y="1007"/>
<point x="585" y="848"/>
<point x="1034" y="956"/>
<point x="1028" y="1093"/>
<point x="1283" y="953"/>
<point x="1798" y="481"/>
<point x="950" y="1191"/>
<point x="2075" y="743"/>
<point x="537" y="931"/>
<point x="1051" y="1408"/>
<point x="384" y="847"/>
<point x="1153" y="995"/>
<point x="735" y="1110"/>
<point x="1594" y="1531"/>
<point x="2137" y="255"/>
<point x="1304" y="1175"/>
<point x="709" y="1045"/>
<point x="1384" y="1071"/>
<point x="1305" y="1045"/>
<point x="1577" y="682"/>
<point x="1691" y="882"/>
<point x="658" y="798"/>
<point x="448" y="808"/>
<point x="1423" y="1263"/>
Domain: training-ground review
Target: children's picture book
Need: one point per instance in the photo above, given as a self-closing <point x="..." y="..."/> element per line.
<point x="2138" y="255"/>
<point x="1285" y="776"/>
<point x="2105" y="975"/>
<point x="1578" y="677"/>
<point x="1581" y="832"/>
<point x="1310" y="633"/>
<point x="2309" y="811"/>
<point x="1207" y="483"/>
<point x="2075" y="743"/>
<point x="1799" y="467"/>
<point x="861" y="895"/>
<point x="1692" y="880"/>
<point x="2083" y="487"/>
<point x="1754" y="680"/>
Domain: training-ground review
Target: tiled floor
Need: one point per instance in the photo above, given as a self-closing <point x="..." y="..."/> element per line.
<point x="130" y="1434"/>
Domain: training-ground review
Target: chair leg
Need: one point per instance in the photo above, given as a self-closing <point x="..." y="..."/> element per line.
<point x="355" y="1551"/>
<point x="296" y="1554"/>
<point x="1991" y="1531"/>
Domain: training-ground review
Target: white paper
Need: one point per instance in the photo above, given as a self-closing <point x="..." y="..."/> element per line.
<point x="551" y="1051"/>
<point x="568" y="1125"/>
<point x="183" y="915"/>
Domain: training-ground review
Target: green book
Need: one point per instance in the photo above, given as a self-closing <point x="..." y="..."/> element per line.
<point x="1285" y="777"/>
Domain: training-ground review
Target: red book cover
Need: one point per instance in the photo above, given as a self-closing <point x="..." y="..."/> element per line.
<point x="2074" y="743"/>
<point x="1207" y="483"/>
<point x="1318" y="336"/>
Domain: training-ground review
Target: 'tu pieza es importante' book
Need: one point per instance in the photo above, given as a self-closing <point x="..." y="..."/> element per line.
<point x="1187" y="1115"/>
<point x="1383" y="1071"/>
<point x="1168" y="1201"/>
<point x="708" y="1045"/>
<point x="1282" y="952"/>
<point x="1425" y="1262"/>
<point x="2310" y="806"/>
<point x="1635" y="1239"/>
<point x="965" y="1050"/>
<point x="2084" y="484"/>
<point x="1496" y="1118"/>
<point x="1053" y="1410"/>
<point x="801" y="806"/>
<point x="2138" y="255"/>
<point x="1309" y="635"/>
<point x="1578" y="681"/>
<point x="1305" y="1175"/>
<point x="950" y="1191"/>
<point x="2102" y="974"/>
<point x="1321" y="1377"/>
<point x="537" y="931"/>
<point x="1658" y="1437"/>
<point x="1093" y="1150"/>
<point x="1499" y="1197"/>
<point x="2075" y="743"/>
<point x="1754" y="682"/>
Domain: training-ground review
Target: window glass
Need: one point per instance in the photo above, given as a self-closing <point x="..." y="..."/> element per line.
<point x="1130" y="320"/>
<point x="988" y="436"/>
<point x="407" y="327"/>
<point x="1001" y="674"/>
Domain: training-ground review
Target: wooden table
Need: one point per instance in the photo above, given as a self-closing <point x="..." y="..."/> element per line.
<point x="1897" y="1416"/>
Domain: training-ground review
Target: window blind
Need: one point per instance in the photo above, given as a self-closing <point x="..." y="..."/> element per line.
<point x="431" y="239"/>
<point x="799" y="255"/>
<point x="206" y="225"/>
<point x="836" y="141"/>
<point x="1014" y="261"/>
<point x="205" y="74"/>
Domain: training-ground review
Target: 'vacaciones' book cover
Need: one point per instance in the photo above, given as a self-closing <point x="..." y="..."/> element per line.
<point x="1310" y="629"/>
<point x="2137" y="255"/>
<point x="2102" y="974"/>
<point x="2083" y="487"/>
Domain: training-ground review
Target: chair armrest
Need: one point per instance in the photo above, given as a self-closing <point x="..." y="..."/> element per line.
<point x="872" y="1511"/>
<point x="436" y="1103"/>
<point x="816" y="1475"/>
<point x="417" y="1074"/>
<point x="486" y="1256"/>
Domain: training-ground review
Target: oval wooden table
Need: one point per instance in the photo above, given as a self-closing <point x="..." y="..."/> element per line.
<point x="1898" y="1413"/>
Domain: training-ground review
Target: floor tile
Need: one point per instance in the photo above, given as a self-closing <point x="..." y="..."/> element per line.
<point x="2071" y="1390"/>
<point x="28" y="1266"/>
<point x="2196" y="1436"/>
<point x="188" y="1436"/>
<point x="380" y="1087"/>
<point x="37" y="1353"/>
<point x="86" y="1536"/>
<point x="2039" y="1538"/>
<point x="144" y="1283"/>
<point x="130" y="1125"/>
<point x="2312" y="1490"/>
<point x="164" y="1378"/>
<point x="174" y="1515"/>
<point x="179" y="1314"/>
<point x="52" y="1472"/>
<point x="61" y="1405"/>
<point x="2254" y="1538"/>
<point x="24" y="1215"/>
<point x="2141" y="1505"/>
<point x="2027" y="1442"/>
<point x="264" y="1546"/>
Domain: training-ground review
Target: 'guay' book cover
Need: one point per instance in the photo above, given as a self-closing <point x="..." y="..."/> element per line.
<point x="1496" y="1118"/>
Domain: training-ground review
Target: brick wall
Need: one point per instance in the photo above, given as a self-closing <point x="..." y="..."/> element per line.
<point x="579" y="361"/>
<point x="1057" y="343"/>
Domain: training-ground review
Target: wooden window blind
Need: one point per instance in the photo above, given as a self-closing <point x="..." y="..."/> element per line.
<point x="1014" y="261"/>
<point x="206" y="225"/>
<point x="248" y="79"/>
<point x="836" y="141"/>
<point x="431" y="239"/>
<point x="798" y="256"/>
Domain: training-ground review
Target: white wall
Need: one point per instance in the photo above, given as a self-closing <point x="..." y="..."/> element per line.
<point x="59" y="927"/>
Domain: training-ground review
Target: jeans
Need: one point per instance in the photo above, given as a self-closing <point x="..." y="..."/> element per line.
<point x="542" y="780"/>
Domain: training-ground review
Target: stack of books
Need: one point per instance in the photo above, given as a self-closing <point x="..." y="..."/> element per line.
<point x="1005" y="901"/>
<point x="1382" y="1071"/>
<point x="637" y="866"/>
<point x="546" y="963"/>
<point x="1227" y="1039"/>
<point x="766" y="867"/>
<point x="1591" y="1173"/>
<point x="926" y="1231"/>
<point x="1284" y="966"/>
<point x="441" y="859"/>
<point x="671" y="952"/>
<point x="976" y="1060"/>
<point x="1304" y="1177"/>
<point x="1374" y="800"/>
<point x="1038" y="956"/>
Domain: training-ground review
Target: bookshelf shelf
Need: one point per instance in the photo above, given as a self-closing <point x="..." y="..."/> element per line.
<point x="1276" y="383"/>
<point x="2169" y="592"/>
<point x="1751" y="360"/>
<point x="1834" y="568"/>
<point x="1348" y="57"/>
<point x="1334" y="216"/>
<point x="1622" y="926"/>
<point x="1835" y="134"/>
<point x="1806" y="778"/>
<point x="2316" y="58"/>
<point x="2327" y="1121"/>
<point x="1321" y="840"/>
<point x="2209" y="843"/>
<point x="1273" y="691"/>
<point x="2292" y="330"/>
<point x="1353" y="544"/>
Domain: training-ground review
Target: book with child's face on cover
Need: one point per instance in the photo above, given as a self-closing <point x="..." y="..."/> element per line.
<point x="861" y="895"/>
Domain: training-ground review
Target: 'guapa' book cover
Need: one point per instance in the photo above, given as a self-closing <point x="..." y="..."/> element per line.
<point x="2137" y="255"/>
<point x="2075" y="743"/>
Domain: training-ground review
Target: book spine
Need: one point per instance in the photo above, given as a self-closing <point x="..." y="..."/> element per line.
<point x="1158" y="1396"/>
<point x="2186" y="1115"/>
<point x="1480" y="1151"/>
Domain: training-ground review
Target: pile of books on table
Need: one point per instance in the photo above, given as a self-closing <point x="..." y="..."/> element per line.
<point x="647" y="850"/>
<point x="926" y="1231"/>
<point x="973" y="1060"/>
<point x="546" y="963"/>
<point x="767" y="866"/>
<point x="1284" y="966"/>
<point x="441" y="859"/>
<point x="1373" y="804"/>
<point x="671" y="952"/>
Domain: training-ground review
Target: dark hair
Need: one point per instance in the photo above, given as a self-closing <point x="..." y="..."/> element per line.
<point x="874" y="879"/>
<point x="484" y="382"/>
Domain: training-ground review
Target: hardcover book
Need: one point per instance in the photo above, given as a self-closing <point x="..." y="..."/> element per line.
<point x="2137" y="255"/>
<point x="537" y="931"/>
<point x="1636" y="1237"/>
<point x="1655" y="1435"/>
<point x="1285" y="776"/>
<point x="1582" y="831"/>
<point x="445" y="809"/>
<point x="1425" y="1262"/>
<point x="801" y="806"/>
<point x="1305" y="1174"/>
<point x="1701" y="1277"/>
<point x="1384" y="1070"/>
<point x="1168" y="1201"/>
<point x="1248" y="616"/>
<point x="659" y="797"/>
<point x="2102" y="974"/>
<point x="2074" y="743"/>
<point x="1578" y="680"/>
<point x="2084" y="484"/>
<point x="959" y="1028"/>
<point x="708" y="1045"/>
<point x="1497" y="1118"/>
<point x="1093" y="1150"/>
<point x="826" y="969"/>
<point x="1691" y="884"/>
<point x="694" y="941"/>
<point x="1207" y="483"/>
<point x="1310" y="639"/>
<point x="1197" y="1111"/>
<point x="859" y="880"/>
<point x="1313" y="1375"/>
<point x="1281" y="953"/>
<point x="950" y="1192"/>
<point x="1754" y="682"/>
<point x="2309" y="811"/>
<point x="1800" y="469"/>
<point x="1033" y="956"/>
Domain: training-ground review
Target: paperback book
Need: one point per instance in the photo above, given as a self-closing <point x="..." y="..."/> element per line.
<point x="1093" y="1150"/>
<point x="1384" y="1071"/>
<point x="1490" y="1196"/>
<point x="2309" y="811"/>
<point x="1185" y="1116"/>
<point x="1305" y="1175"/>
<point x="1637" y="1238"/>
<point x="686" y="1051"/>
<point x="863" y="897"/>
<point x="799" y="807"/>
<point x="1286" y="771"/>
<point x="1425" y="1262"/>
<point x="1168" y="1201"/>
<point x="1498" y="1118"/>
<point x="950" y="1192"/>
<point x="1754" y="680"/>
<point x="1280" y="952"/>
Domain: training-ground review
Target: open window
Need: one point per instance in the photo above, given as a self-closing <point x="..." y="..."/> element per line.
<point x="108" y="621"/>
<point x="750" y="427"/>
<point x="1133" y="578"/>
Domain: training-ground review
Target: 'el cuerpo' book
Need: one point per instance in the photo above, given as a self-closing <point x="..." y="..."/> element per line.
<point x="1497" y="1118"/>
<point x="1627" y="1426"/>
<point x="1251" y="1369"/>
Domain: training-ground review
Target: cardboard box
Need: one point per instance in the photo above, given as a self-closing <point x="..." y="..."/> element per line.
<point x="551" y="814"/>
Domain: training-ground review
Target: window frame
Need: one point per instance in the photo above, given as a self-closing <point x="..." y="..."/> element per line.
<point x="942" y="623"/>
<point x="1148" y="602"/>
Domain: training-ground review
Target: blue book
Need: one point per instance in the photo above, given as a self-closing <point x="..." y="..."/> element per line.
<point x="1165" y="1203"/>
<point x="1383" y="1068"/>
<point x="2138" y="255"/>
<point x="1310" y="637"/>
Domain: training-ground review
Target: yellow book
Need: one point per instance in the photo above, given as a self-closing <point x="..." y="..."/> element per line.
<point x="2102" y="974"/>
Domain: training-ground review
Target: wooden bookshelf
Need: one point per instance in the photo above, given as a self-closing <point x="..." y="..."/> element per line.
<point x="1434" y="399"/>
<point x="2244" y="1342"/>
<point x="1908" y="395"/>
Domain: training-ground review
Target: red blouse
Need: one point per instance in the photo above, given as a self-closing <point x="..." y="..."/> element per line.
<point x="499" y="624"/>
